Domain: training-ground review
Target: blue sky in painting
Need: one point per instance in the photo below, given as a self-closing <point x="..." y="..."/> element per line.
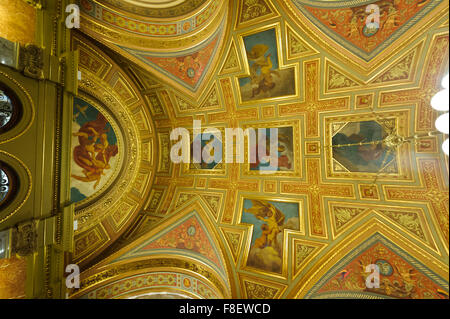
<point x="83" y="113"/>
<point x="290" y="210"/>
<point x="76" y="196"/>
<point x="91" y="115"/>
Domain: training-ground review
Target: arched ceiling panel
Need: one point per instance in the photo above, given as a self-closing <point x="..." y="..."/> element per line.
<point x="180" y="50"/>
<point x="113" y="160"/>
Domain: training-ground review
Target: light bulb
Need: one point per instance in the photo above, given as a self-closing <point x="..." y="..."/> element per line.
<point x="445" y="82"/>
<point x="442" y="123"/>
<point x="445" y="147"/>
<point x="439" y="102"/>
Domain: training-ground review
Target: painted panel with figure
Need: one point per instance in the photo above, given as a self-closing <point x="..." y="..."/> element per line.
<point x="267" y="79"/>
<point x="210" y="158"/>
<point x="206" y="157"/>
<point x="357" y="147"/>
<point x="285" y="149"/>
<point x="269" y="219"/>
<point x="95" y="151"/>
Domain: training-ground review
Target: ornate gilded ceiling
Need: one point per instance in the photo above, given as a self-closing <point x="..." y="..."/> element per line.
<point x="200" y="230"/>
<point x="157" y="8"/>
<point x="179" y="43"/>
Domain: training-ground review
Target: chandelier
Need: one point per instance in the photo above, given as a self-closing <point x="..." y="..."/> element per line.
<point x="440" y="102"/>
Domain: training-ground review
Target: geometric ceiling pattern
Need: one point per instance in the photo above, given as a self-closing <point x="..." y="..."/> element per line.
<point x="345" y="23"/>
<point x="188" y="68"/>
<point x="177" y="41"/>
<point x="335" y="205"/>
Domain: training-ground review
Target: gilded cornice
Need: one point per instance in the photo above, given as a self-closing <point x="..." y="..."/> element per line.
<point x="163" y="11"/>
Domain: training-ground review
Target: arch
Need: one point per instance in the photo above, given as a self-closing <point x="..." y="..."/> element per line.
<point x="151" y="253"/>
<point x="104" y="217"/>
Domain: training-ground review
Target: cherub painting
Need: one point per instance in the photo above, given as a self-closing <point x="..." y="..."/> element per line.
<point x="266" y="79"/>
<point x="269" y="220"/>
<point x="94" y="150"/>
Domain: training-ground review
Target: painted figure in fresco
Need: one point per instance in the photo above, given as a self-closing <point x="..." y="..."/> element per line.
<point x="261" y="69"/>
<point x="266" y="78"/>
<point x="350" y="22"/>
<point x="392" y="18"/>
<point x="262" y="241"/>
<point x="361" y="158"/>
<point x="205" y="145"/>
<point x="354" y="32"/>
<point x="273" y="219"/>
<point x="93" y="152"/>
<point x="284" y="150"/>
<point x="270" y="219"/>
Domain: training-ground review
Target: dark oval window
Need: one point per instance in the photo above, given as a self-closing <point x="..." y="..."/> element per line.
<point x="8" y="185"/>
<point x="10" y="109"/>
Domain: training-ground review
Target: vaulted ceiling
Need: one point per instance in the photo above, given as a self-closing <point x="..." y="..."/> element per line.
<point x="155" y="226"/>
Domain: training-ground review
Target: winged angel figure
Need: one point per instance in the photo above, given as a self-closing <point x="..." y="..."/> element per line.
<point x="273" y="220"/>
<point x="261" y="69"/>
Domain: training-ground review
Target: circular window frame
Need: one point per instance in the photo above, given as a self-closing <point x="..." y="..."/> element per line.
<point x="22" y="187"/>
<point x="17" y="111"/>
<point x="14" y="185"/>
<point x="12" y="88"/>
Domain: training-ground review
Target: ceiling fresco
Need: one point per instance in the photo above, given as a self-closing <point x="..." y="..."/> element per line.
<point x="95" y="149"/>
<point x="346" y="23"/>
<point x="180" y="48"/>
<point x="334" y="206"/>
<point x="187" y="67"/>
<point x="401" y="277"/>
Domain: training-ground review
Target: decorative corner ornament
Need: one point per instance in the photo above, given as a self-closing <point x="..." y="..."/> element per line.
<point x="37" y="4"/>
<point x="31" y="61"/>
<point x="24" y="239"/>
